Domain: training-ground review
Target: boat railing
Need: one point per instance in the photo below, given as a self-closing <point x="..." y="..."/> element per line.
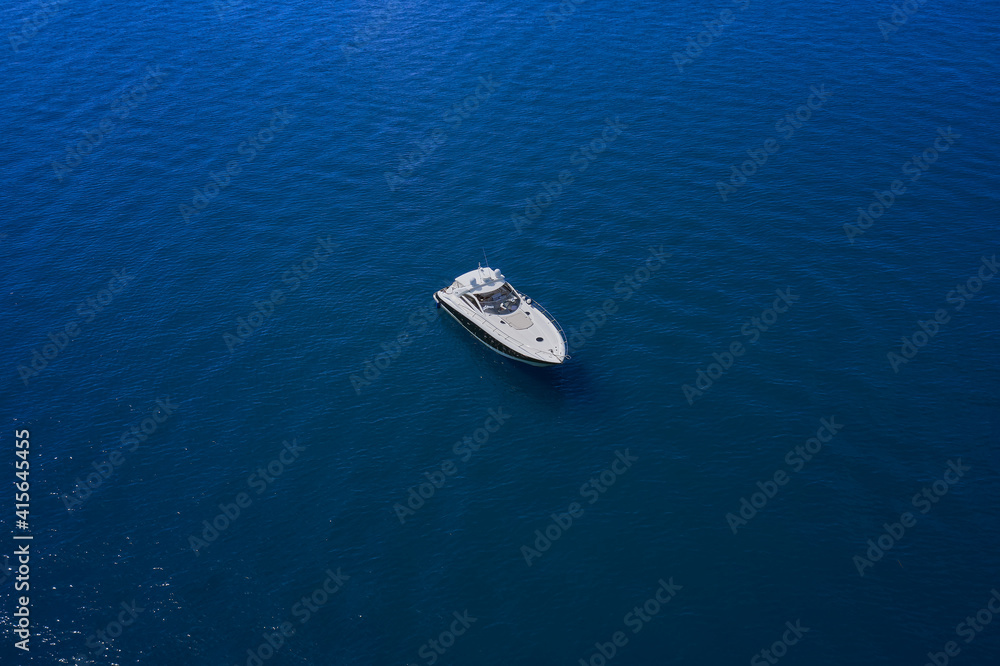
<point x="514" y="342"/>
<point x="545" y="312"/>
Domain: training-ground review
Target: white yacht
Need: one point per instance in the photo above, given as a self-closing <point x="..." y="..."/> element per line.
<point x="502" y="318"/>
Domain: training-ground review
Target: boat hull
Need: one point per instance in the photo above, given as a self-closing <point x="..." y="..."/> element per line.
<point x="488" y="339"/>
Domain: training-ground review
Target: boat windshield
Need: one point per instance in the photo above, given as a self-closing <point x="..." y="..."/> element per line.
<point x="503" y="301"/>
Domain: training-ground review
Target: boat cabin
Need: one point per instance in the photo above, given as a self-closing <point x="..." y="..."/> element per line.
<point x="486" y="291"/>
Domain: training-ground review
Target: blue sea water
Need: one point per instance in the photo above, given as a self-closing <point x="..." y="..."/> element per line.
<point x="678" y="183"/>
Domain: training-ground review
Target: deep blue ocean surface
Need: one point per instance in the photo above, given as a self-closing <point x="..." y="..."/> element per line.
<point x="768" y="227"/>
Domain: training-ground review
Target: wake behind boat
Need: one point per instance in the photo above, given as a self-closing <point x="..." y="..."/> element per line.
<point x="502" y="318"/>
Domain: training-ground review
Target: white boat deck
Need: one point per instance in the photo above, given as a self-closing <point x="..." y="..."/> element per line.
<point x="511" y="320"/>
<point x="519" y="320"/>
